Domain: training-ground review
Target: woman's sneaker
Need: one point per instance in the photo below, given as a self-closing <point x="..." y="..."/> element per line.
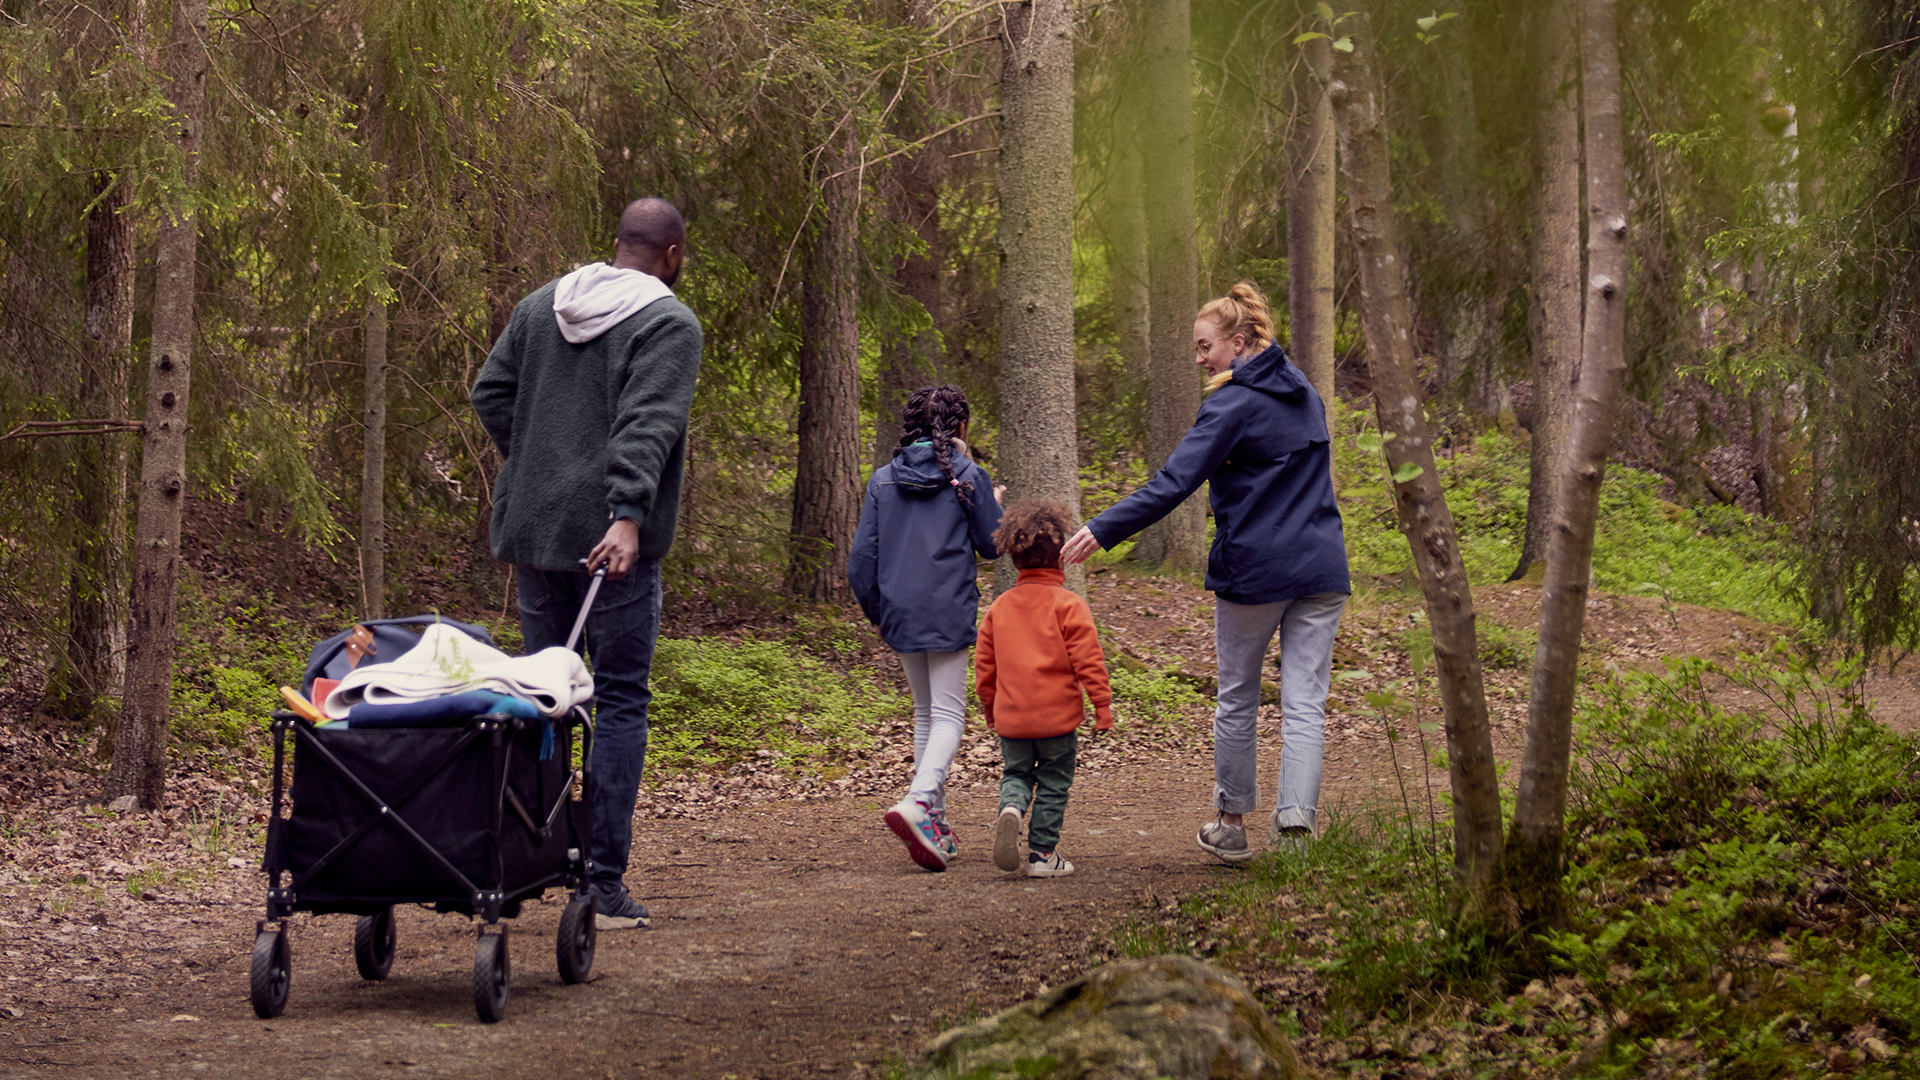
<point x="619" y="911"/>
<point x="910" y="822"/>
<point x="1225" y="842"/>
<point x="1006" y="839"/>
<point x="1048" y="865"/>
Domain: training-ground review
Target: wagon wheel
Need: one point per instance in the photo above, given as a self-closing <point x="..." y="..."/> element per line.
<point x="491" y="974"/>
<point x="573" y="946"/>
<point x="272" y="972"/>
<point x="373" y="944"/>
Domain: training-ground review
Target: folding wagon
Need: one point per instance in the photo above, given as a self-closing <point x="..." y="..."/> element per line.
<point x="475" y="817"/>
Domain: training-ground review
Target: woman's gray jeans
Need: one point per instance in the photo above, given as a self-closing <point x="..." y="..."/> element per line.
<point x="1242" y="633"/>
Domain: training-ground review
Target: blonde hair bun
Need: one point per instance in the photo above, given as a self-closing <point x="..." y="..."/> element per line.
<point x="1244" y="311"/>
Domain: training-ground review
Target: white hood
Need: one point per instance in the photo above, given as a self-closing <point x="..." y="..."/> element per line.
<point x="596" y="297"/>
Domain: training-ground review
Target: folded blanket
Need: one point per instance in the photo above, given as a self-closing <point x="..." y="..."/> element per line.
<point x="452" y="710"/>
<point x="449" y="662"/>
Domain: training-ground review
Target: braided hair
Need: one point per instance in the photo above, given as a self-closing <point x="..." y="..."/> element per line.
<point x="935" y="413"/>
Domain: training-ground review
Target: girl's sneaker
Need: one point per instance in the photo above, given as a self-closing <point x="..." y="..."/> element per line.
<point x="910" y="822"/>
<point x="1048" y="865"/>
<point x="948" y="842"/>
<point x="1006" y="839"/>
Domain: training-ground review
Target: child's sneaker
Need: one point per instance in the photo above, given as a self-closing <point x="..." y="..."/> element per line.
<point x="1006" y="839"/>
<point x="949" y="843"/>
<point x="1048" y="865"/>
<point x="1224" y="841"/>
<point x="910" y="822"/>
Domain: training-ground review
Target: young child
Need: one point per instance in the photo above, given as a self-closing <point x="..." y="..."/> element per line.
<point x="927" y="514"/>
<point x="1036" y="654"/>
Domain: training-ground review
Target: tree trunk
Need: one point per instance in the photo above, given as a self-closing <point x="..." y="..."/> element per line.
<point x="1536" y="846"/>
<point x="826" y="482"/>
<point x="1422" y="506"/>
<point x="910" y="360"/>
<point x="1037" y="451"/>
<point x="92" y="663"/>
<point x="1177" y="541"/>
<point x="373" y="415"/>
<point x="140" y="740"/>
<point x="1553" y="249"/>
<point x="1310" y="220"/>
<point x="1127" y="231"/>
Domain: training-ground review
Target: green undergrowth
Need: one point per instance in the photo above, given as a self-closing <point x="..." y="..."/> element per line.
<point x="718" y="701"/>
<point x="1710" y="555"/>
<point x="1742" y="886"/>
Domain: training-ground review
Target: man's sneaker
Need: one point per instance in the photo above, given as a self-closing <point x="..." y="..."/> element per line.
<point x="1006" y="839"/>
<point x="1048" y="865"/>
<point x="910" y="822"/>
<point x="619" y="911"/>
<point x="1225" y="842"/>
<point x="949" y="844"/>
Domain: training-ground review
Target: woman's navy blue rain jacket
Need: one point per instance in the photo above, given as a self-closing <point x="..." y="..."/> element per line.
<point x="912" y="566"/>
<point x="1262" y="440"/>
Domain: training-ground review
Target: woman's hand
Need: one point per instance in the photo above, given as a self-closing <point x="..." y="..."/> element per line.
<point x="1079" y="546"/>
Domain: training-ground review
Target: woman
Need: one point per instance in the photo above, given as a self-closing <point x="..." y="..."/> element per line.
<point x="1279" y="558"/>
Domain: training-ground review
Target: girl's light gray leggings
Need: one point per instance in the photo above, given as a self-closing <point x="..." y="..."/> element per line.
<point x="939" y="684"/>
<point x="1242" y="633"/>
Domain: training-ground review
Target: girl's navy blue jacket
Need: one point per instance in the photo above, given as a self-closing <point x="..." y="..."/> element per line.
<point x="1262" y="440"/>
<point x="913" y="566"/>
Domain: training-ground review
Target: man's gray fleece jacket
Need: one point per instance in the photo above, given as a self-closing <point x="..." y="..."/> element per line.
<point x="590" y="432"/>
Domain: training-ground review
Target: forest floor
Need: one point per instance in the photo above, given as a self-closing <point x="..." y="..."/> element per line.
<point x="791" y="936"/>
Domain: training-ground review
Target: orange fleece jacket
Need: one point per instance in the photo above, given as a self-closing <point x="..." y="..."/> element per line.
<point x="1036" y="653"/>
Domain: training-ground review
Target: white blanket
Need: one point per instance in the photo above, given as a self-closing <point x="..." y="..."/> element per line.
<point x="449" y="662"/>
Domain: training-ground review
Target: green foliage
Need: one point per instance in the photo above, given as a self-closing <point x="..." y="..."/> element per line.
<point x="1714" y="556"/>
<point x="229" y="662"/>
<point x="1152" y="698"/>
<point x="1751" y="889"/>
<point x="718" y="701"/>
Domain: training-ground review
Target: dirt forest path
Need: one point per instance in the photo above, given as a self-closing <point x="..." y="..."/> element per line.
<point x="789" y="940"/>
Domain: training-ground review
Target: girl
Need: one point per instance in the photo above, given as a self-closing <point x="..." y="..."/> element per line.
<point x="927" y="515"/>
<point x="1279" y="558"/>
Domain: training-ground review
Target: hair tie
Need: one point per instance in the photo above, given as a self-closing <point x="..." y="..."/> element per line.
<point x="955" y="483"/>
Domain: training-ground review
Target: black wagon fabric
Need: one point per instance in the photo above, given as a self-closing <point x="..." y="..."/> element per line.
<point x="442" y="783"/>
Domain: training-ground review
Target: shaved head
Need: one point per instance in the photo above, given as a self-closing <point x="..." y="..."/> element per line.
<point x="653" y="225"/>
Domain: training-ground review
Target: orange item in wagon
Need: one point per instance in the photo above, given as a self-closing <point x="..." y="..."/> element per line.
<point x="301" y="706"/>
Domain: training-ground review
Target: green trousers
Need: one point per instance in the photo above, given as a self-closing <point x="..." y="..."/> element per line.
<point x="1038" y="772"/>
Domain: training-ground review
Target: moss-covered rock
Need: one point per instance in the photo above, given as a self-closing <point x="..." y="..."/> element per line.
<point x="1169" y="1016"/>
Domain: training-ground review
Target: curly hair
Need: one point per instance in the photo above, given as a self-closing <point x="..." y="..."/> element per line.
<point x="1033" y="531"/>
<point x="935" y="413"/>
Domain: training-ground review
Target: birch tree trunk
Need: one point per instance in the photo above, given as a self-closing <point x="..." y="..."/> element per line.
<point x="1310" y="219"/>
<point x="1553" y="250"/>
<point x="826" y="482"/>
<point x="140" y="740"/>
<point x="1421" y="504"/>
<point x="1177" y="541"/>
<point x="1535" y="848"/>
<point x="1038" y="457"/>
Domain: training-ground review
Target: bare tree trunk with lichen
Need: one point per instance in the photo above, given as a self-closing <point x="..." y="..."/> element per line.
<point x="1408" y="445"/>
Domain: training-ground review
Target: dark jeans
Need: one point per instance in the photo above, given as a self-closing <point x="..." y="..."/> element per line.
<point x="618" y="641"/>
<point x="1041" y="770"/>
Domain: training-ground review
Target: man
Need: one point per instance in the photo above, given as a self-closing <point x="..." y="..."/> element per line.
<point x="586" y="394"/>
